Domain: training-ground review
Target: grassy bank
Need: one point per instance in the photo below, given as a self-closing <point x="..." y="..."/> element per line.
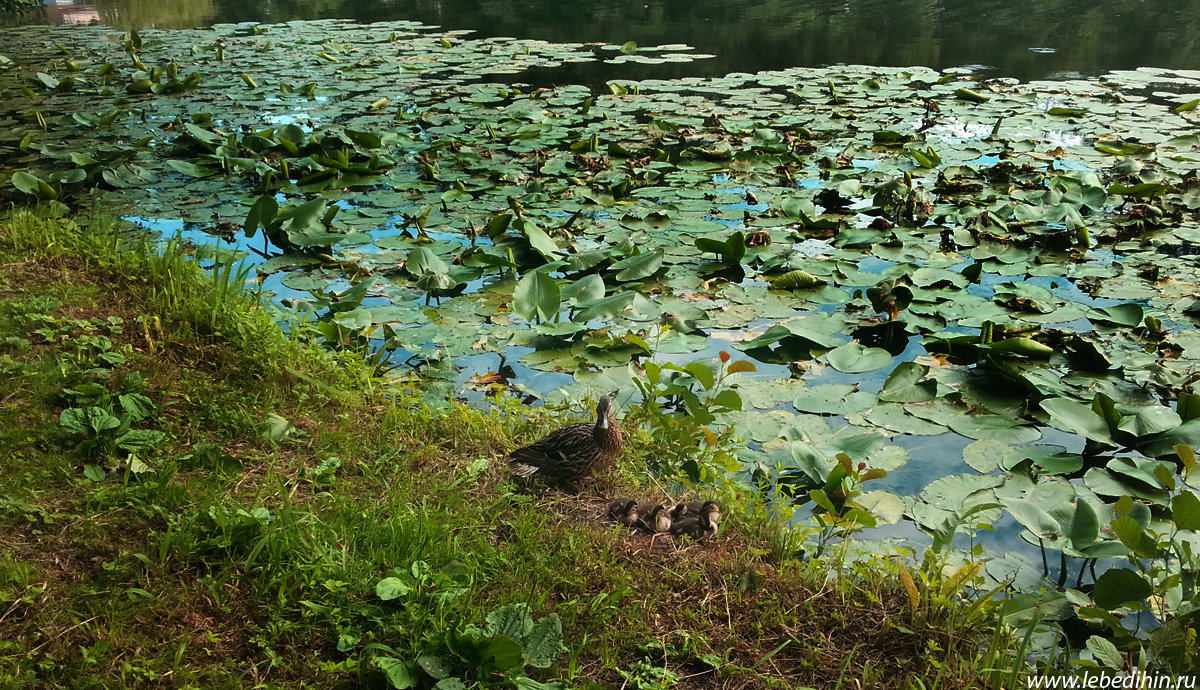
<point x="192" y="498"/>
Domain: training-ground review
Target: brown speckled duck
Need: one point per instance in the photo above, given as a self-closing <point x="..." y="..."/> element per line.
<point x="572" y="453"/>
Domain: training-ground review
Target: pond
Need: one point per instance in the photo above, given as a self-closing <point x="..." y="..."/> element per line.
<point x="980" y="293"/>
<point x="1028" y="40"/>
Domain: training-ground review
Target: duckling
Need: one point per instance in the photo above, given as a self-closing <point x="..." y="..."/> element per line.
<point x="653" y="518"/>
<point x="624" y="511"/>
<point x="695" y="508"/>
<point x="700" y="525"/>
<point x="678" y="511"/>
<point x="710" y="507"/>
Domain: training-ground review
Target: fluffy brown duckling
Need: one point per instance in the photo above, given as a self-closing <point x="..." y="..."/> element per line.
<point x="696" y="508"/>
<point x="700" y="525"/>
<point x="572" y="453"/>
<point x="624" y="511"/>
<point x="653" y="518"/>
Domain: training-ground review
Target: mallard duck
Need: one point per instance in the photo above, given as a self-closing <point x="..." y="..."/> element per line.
<point x="574" y="452"/>
<point x="624" y="511"/>
<point x="700" y="525"/>
<point x="653" y="518"/>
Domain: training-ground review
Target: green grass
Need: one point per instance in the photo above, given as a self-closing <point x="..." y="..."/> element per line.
<point x="235" y="552"/>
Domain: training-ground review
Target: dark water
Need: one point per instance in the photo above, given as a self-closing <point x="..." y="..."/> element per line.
<point x="1026" y="39"/>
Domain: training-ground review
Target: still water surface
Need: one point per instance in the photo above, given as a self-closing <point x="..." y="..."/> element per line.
<point x="1026" y="39"/>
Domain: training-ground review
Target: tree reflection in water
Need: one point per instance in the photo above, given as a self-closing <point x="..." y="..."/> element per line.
<point x="1026" y="40"/>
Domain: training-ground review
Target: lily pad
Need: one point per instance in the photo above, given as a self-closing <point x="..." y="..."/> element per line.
<point x="905" y="384"/>
<point x="855" y="358"/>
<point x="834" y="398"/>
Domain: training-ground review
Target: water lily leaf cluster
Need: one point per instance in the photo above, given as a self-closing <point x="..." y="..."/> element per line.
<point x="920" y="253"/>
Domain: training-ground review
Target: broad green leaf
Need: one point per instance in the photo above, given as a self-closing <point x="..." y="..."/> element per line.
<point x="1188" y="405"/>
<point x="303" y="218"/>
<point x="993" y="426"/>
<point x="702" y="373"/>
<point x="985" y="455"/>
<point x="203" y="136"/>
<point x="1129" y="531"/>
<point x="140" y="440"/>
<point x="433" y="665"/>
<point x="728" y="399"/>
<point x="1164" y="443"/>
<point x="190" y="169"/>
<point x="562" y="328"/>
<point x="810" y="336"/>
<point x="276" y="428"/>
<point x="1085" y="525"/>
<point x="855" y="358"/>
<point x="894" y="418"/>
<point x="589" y="287"/>
<point x="1144" y="190"/>
<point x="421" y="261"/>
<point x="391" y="588"/>
<point x="1122" y="148"/>
<point x="886" y="506"/>
<point x="604" y="307"/>
<point x="511" y="620"/>
<point x="1141" y="469"/>
<point x="401" y="674"/>
<point x="965" y="94"/>
<point x="1144" y="421"/>
<point x="1107" y="483"/>
<point x="799" y="207"/>
<point x="1075" y="417"/>
<point x="1067" y="112"/>
<point x="261" y="213"/>
<point x="833" y="398"/>
<point x="1106" y="653"/>
<point x="537" y="297"/>
<point x="638" y="266"/>
<point x="543" y="643"/>
<point x="26" y="182"/>
<point x="136" y="406"/>
<point x="502" y="653"/>
<point x="796" y="280"/>
<point x="539" y="240"/>
<point x="904" y="384"/>
<point x="1118" y="586"/>
<point x="1034" y="518"/>
<point x="1185" y="510"/>
<point x="92" y="420"/>
<point x="1044" y="605"/>
<point x="1122" y="314"/>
